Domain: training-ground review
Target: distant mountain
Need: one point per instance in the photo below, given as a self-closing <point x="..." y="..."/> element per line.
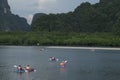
<point x="100" y="17"/>
<point x="37" y="15"/>
<point x="9" y="21"/>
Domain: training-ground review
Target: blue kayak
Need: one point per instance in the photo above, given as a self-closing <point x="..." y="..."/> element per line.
<point x="22" y="71"/>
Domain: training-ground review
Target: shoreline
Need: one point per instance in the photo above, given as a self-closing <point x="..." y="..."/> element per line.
<point x="69" y="47"/>
<point x="89" y="48"/>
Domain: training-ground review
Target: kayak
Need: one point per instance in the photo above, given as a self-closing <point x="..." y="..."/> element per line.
<point x="53" y="59"/>
<point x="62" y="64"/>
<point x="22" y="71"/>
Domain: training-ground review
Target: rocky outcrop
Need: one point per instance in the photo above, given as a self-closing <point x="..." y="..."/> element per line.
<point x="9" y="21"/>
<point x="37" y="15"/>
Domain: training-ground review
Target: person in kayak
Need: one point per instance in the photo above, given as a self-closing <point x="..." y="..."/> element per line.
<point x="52" y="59"/>
<point x="28" y="68"/>
<point x="62" y="64"/>
<point x="19" y="68"/>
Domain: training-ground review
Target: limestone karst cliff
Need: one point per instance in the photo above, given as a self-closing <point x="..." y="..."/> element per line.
<point x="9" y="21"/>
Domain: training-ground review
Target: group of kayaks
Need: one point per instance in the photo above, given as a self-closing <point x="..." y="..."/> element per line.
<point x="29" y="69"/>
<point x="22" y="71"/>
<point x="25" y="69"/>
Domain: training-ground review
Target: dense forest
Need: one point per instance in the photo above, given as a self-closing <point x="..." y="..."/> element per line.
<point x="100" y="17"/>
<point x="58" y="38"/>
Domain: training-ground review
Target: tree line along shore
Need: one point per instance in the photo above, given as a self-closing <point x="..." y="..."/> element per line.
<point x="58" y="38"/>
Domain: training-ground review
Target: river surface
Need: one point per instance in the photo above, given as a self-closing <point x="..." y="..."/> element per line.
<point x="81" y="65"/>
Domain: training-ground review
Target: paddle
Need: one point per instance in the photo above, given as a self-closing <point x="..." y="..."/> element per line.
<point x="65" y="61"/>
<point x="15" y="66"/>
<point x="57" y="59"/>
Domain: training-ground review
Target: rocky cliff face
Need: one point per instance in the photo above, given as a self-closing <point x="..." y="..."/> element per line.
<point x="4" y="7"/>
<point x="9" y="21"/>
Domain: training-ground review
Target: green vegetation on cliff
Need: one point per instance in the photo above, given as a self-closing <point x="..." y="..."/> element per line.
<point x="100" y="17"/>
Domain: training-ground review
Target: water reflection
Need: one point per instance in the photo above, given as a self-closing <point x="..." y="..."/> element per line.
<point x="19" y="76"/>
<point x="63" y="74"/>
<point x="23" y="76"/>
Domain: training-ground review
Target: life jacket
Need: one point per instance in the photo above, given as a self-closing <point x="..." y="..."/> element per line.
<point x="62" y="64"/>
<point x="28" y="68"/>
<point x="19" y="68"/>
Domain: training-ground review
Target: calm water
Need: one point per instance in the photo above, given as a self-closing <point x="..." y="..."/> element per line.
<point x="82" y="64"/>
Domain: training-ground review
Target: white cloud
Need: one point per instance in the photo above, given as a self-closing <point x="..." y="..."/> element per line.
<point x="47" y="6"/>
<point x="46" y="3"/>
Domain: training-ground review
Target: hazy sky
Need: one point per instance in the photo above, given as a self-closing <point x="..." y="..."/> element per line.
<point x="27" y="8"/>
